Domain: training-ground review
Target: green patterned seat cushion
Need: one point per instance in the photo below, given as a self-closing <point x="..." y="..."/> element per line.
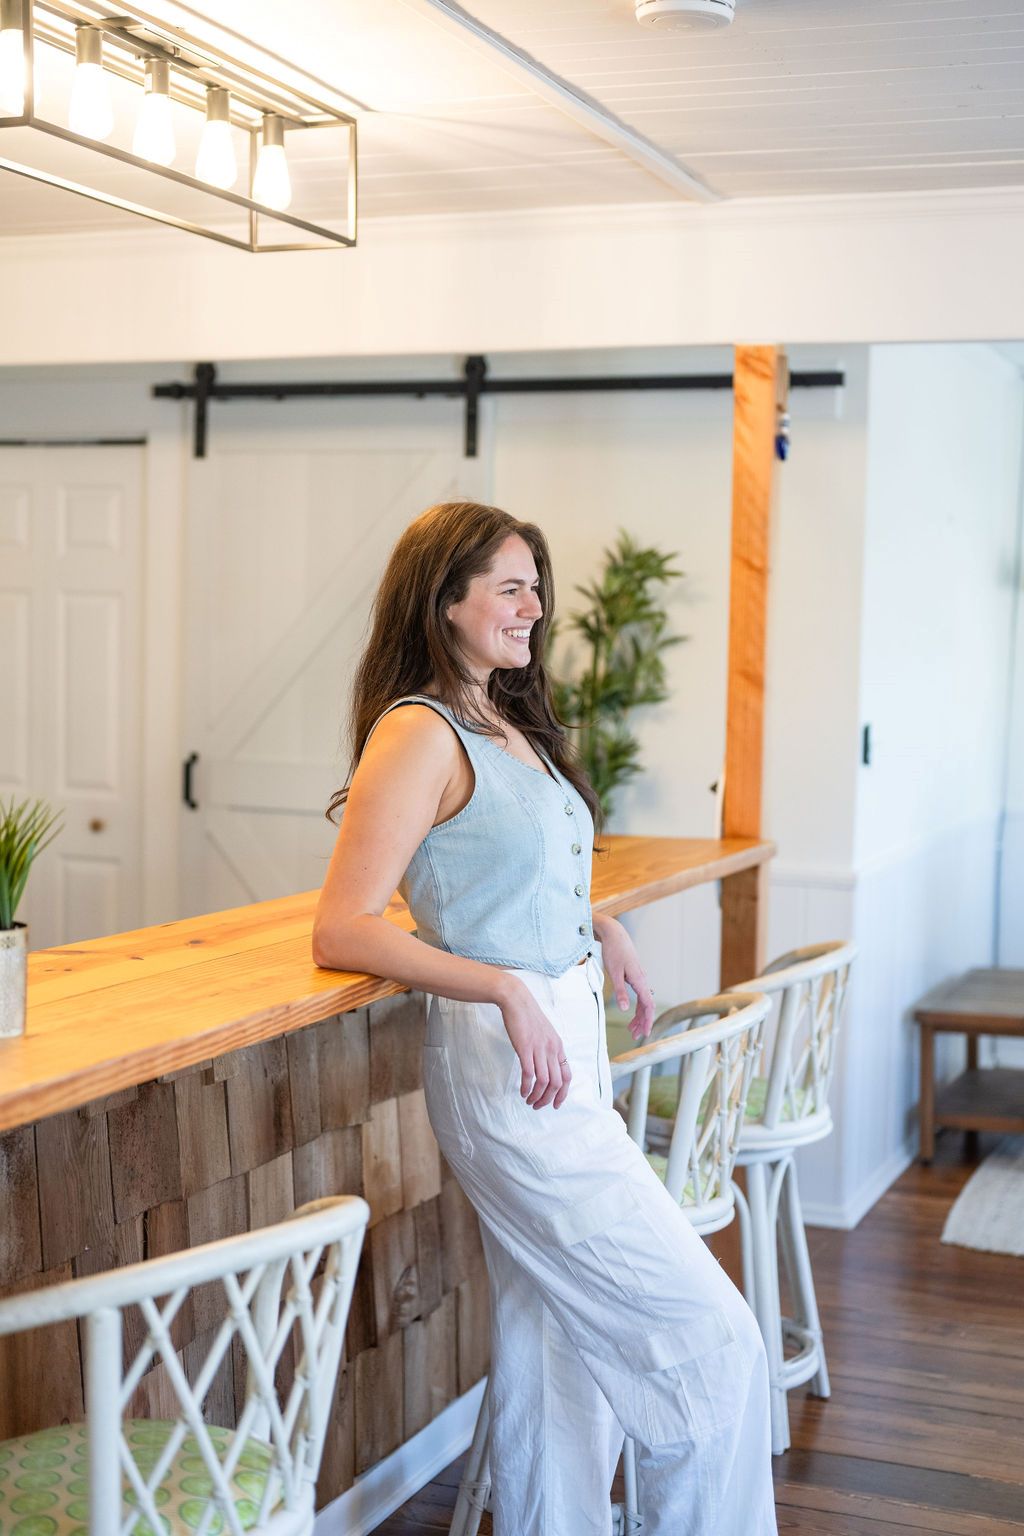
<point x="659" y="1163"/>
<point x="617" y="1031"/>
<point x="664" y="1097"/>
<point x="44" y="1480"/>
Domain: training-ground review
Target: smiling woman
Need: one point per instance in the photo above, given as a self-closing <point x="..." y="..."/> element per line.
<point x="468" y="592"/>
<point x="490" y="844"/>
<point x="499" y="610"/>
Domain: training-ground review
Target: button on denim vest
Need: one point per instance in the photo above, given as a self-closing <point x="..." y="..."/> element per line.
<point x="506" y="880"/>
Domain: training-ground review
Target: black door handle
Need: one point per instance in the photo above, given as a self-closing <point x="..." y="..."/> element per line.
<point x="186" y="785"/>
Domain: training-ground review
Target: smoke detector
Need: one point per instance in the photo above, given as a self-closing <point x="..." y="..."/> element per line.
<point x="685" y="15"/>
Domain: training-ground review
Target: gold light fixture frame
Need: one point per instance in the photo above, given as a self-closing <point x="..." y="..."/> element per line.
<point x="136" y="38"/>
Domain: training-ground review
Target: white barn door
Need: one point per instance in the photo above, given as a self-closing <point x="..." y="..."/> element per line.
<point x="70" y="707"/>
<point x="290" y="520"/>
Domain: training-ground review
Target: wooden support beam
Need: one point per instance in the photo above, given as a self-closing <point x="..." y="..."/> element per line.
<point x="760" y="384"/>
<point x="744" y="920"/>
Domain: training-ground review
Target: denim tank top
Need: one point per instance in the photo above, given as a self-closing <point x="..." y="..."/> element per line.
<point x="506" y="880"/>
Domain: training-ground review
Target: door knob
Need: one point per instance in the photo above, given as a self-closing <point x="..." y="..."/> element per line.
<point x="97" y="824"/>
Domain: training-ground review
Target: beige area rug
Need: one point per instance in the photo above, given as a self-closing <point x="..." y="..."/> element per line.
<point x="989" y="1210"/>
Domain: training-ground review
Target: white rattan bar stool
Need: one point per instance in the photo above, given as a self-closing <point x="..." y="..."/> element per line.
<point x="712" y="1045"/>
<point x="711" y="1051"/>
<point x="788" y="1108"/>
<point x="117" y="1475"/>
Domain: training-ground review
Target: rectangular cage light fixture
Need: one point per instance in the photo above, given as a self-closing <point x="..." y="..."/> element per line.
<point x="116" y="106"/>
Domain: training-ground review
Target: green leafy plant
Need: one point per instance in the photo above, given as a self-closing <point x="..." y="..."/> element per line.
<point x="26" y="828"/>
<point x="624" y="630"/>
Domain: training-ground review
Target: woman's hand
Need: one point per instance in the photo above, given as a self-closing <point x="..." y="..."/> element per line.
<point x="538" y="1046"/>
<point x="622" y="965"/>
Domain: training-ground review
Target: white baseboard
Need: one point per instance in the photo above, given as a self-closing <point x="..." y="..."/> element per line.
<point x="387" y="1486"/>
<point x="851" y="1212"/>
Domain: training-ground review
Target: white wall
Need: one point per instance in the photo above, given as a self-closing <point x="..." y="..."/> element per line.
<point x="926" y="266"/>
<point x="1011" y="892"/>
<point x="1011" y="884"/>
<point x="944" y="438"/>
<point x="943" y="463"/>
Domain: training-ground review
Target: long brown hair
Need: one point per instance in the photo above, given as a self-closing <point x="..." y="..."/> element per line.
<point x="411" y="642"/>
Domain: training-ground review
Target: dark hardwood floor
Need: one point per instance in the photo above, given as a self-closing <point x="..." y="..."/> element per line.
<point x="924" y="1431"/>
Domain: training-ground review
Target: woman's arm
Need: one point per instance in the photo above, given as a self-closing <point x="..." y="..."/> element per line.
<point x="622" y="965"/>
<point x="406" y="766"/>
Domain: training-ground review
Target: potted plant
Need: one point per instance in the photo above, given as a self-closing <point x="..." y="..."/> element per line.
<point x="26" y="827"/>
<point x="624" y="628"/>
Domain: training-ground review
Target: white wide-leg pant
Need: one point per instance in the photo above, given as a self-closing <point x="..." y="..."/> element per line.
<point x="608" y="1313"/>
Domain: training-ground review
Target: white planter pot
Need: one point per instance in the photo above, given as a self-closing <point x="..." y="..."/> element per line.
<point x="13" y="957"/>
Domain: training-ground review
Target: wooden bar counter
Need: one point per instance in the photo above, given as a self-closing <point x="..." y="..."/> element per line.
<point x="195" y="1079"/>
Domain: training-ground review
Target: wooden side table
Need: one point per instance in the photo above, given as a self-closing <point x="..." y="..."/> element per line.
<point x="980" y="1002"/>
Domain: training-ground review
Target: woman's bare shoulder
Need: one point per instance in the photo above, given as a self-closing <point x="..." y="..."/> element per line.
<point x="413" y="728"/>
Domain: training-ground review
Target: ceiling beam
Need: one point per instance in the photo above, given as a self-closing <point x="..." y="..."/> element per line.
<point x="590" y="114"/>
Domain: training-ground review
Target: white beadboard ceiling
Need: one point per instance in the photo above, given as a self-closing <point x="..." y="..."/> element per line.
<point x="796" y="98"/>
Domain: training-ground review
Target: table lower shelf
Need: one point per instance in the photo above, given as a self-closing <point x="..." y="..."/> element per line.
<point x="983" y="1099"/>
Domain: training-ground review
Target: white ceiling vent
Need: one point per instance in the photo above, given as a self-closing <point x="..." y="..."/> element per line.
<point x="685" y="15"/>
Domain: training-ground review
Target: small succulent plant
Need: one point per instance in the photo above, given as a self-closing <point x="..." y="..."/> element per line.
<point x="26" y="827"/>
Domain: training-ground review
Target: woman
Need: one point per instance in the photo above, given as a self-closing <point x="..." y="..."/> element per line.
<point x="608" y="1314"/>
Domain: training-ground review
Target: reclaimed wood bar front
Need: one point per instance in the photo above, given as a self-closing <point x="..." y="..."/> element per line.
<point x="203" y="1077"/>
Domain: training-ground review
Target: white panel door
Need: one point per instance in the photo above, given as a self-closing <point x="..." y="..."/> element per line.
<point x="290" y="520"/>
<point x="70" y="678"/>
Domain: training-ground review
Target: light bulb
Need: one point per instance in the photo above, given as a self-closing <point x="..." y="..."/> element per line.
<point x="154" y="128"/>
<point x="272" y="185"/>
<point x="215" y="162"/>
<point x="12" y="72"/>
<point x="90" y="113"/>
<point x="12" y="58"/>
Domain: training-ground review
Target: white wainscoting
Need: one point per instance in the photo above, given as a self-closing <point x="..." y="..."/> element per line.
<point x="1011" y="911"/>
<point x="918" y="914"/>
<point x="809" y="904"/>
<point x="921" y="914"/>
<point x="1010" y="1053"/>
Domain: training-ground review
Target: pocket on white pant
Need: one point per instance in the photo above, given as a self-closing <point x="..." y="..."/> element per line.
<point x="678" y="1386"/>
<point x="685" y="1379"/>
<point x="442" y="1107"/>
<point x="698" y="1395"/>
